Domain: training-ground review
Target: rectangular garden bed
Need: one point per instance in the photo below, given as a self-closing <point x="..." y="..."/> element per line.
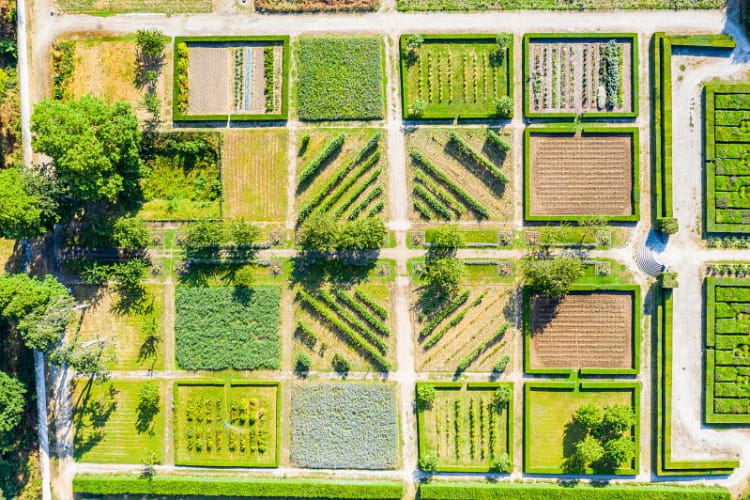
<point x="551" y="432"/>
<point x="592" y="330"/>
<point x="575" y="172"/>
<point x="727" y="399"/>
<point x="727" y="144"/>
<point x="464" y="429"/>
<point x="580" y="74"/>
<point x="455" y="76"/>
<point x="231" y="78"/>
<point x="231" y="424"/>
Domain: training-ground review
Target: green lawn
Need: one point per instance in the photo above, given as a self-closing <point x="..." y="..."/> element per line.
<point x="340" y="78"/>
<point x="456" y="77"/>
<point x="549" y="433"/>
<point x="105" y="417"/>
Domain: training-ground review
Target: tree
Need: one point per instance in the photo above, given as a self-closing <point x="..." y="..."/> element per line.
<point x="244" y="277"/>
<point x="551" y="277"/>
<point x="204" y="234"/>
<point x="150" y="44"/>
<point x="617" y="419"/>
<point x="242" y="233"/>
<point x="444" y="275"/>
<point x="428" y="463"/>
<point x="504" y="106"/>
<point x="149" y="463"/>
<point x="12" y="402"/>
<point x="417" y="108"/>
<point x="425" y="396"/>
<point x="589" y="450"/>
<point x="362" y="234"/>
<point x="413" y="42"/>
<point x="341" y="365"/>
<point x="20" y="215"/>
<point x="501" y="464"/>
<point x="501" y="397"/>
<point x="589" y="417"/>
<point x="43" y="327"/>
<point x="148" y="405"/>
<point x="619" y="450"/>
<point x="302" y="363"/>
<point x="319" y="233"/>
<point x="502" y="364"/>
<point x="667" y="225"/>
<point x="130" y="233"/>
<point x="448" y="238"/>
<point x="503" y="41"/>
<point x="94" y="147"/>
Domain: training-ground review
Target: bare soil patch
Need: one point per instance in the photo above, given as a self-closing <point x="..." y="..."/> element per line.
<point x="583" y="330"/>
<point x="209" y="75"/>
<point x="315" y="5"/>
<point x="581" y="175"/>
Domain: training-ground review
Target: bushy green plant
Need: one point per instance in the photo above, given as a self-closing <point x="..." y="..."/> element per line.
<point x="589" y="417"/>
<point x="417" y="109"/>
<point x="181" y="76"/>
<point x="668" y="225"/>
<point x="504" y="107"/>
<point x="150" y="44"/>
<point x="312" y="168"/>
<point x="429" y="463"/>
<point x="425" y="396"/>
<point x="444" y="275"/>
<point x="302" y="363"/>
<point x="502" y="364"/>
<point x="502" y="396"/>
<point x="551" y="277"/>
<point x="501" y="464"/>
<point x="341" y="365"/>
<point x="131" y="233"/>
<point x="447" y="238"/>
<point x="148" y="405"/>
<point x="468" y="153"/>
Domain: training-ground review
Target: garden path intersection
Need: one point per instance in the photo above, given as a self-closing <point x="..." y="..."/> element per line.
<point x="683" y="253"/>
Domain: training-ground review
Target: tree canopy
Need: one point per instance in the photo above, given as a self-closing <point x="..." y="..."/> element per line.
<point x="21" y="215"/>
<point x="94" y="147"/>
<point x="12" y="402"/>
<point x="552" y="277"/>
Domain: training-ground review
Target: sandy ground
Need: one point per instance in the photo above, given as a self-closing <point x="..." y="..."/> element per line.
<point x="209" y="75"/>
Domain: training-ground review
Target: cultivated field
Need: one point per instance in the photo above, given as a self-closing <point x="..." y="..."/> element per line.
<point x="340" y="78"/>
<point x="315" y="5"/>
<point x="459" y="175"/>
<point x="344" y="425"/>
<point x="465" y="429"/>
<point x="109" y="7"/>
<point x="342" y="172"/>
<point x="572" y="175"/>
<point x="470" y="332"/>
<point x="254" y="174"/>
<point x="226" y="425"/>
<point x="456" y="77"/>
<point x="584" y="330"/>
<point x="107" y="424"/>
<point x="134" y="335"/>
<point x="726" y="149"/>
<point x="554" y="4"/>
<point x="550" y="434"/>
<point x="727" y="351"/>
<point x="343" y="321"/>
<point x="578" y="75"/>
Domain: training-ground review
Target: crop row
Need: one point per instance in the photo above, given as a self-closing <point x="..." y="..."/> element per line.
<point x="306" y="335"/>
<point x="358" y="191"/>
<point x="268" y="74"/>
<point x="347" y="316"/>
<point x="444" y="313"/>
<point x="181" y="76"/>
<point x="465" y="150"/>
<point x="313" y="166"/>
<point x="482" y="347"/>
<point x="501" y="143"/>
<point x="372" y="196"/>
<point x="212" y="440"/>
<point x="362" y="311"/>
<point x="455" y="320"/>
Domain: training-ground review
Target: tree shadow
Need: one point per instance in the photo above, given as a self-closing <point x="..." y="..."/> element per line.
<point x="91" y="416"/>
<point x="572" y="435"/>
<point x="493" y="184"/>
<point x="538" y="320"/>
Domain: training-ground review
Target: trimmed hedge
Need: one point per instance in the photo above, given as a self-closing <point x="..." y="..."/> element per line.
<point x="515" y="491"/>
<point x="465" y="150"/>
<point x="313" y="166"/>
<point x="211" y="486"/>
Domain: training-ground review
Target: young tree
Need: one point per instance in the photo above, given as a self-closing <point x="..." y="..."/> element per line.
<point x="447" y="238"/>
<point x="417" y="109"/>
<point x="501" y="464"/>
<point x="94" y="147"/>
<point x="341" y="365"/>
<point x="617" y="419"/>
<point x="20" y="214"/>
<point x="425" y="396"/>
<point x="244" y="277"/>
<point x="619" y="450"/>
<point x="589" y="450"/>
<point x="501" y="397"/>
<point x="589" y="417"/>
<point x="503" y="41"/>
<point x="428" y="463"/>
<point x="504" y="106"/>
<point x="150" y="44"/>
<point x="12" y="401"/>
<point x="148" y="405"/>
<point x="242" y="233"/>
<point x="367" y="233"/>
<point x="130" y="233"/>
<point x="551" y="277"/>
<point x="204" y="234"/>
<point x="302" y="364"/>
<point x="413" y="42"/>
<point x="444" y="275"/>
<point x="319" y="233"/>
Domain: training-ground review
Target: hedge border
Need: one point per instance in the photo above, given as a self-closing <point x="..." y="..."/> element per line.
<point x="581" y="386"/>
<point x="709" y="148"/>
<point x="219" y="486"/>
<point x="228" y="384"/>
<point x="498" y="491"/>
<point x="453" y="36"/>
<point x="178" y="116"/>
<point x="710" y="417"/>
<point x="592" y="129"/>
<point x="635" y="336"/>
<point x="634" y="74"/>
<point x="665" y="465"/>
<point x="661" y="126"/>
<point x="468" y="386"/>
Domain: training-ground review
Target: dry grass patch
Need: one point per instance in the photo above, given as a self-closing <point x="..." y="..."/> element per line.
<point x="254" y="173"/>
<point x="109" y="7"/>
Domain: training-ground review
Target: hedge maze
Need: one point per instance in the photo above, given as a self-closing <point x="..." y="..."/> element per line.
<point x="727" y="351"/>
<point x="467" y="428"/>
<point x="460" y="175"/>
<point x="227" y="424"/>
<point x="456" y="76"/>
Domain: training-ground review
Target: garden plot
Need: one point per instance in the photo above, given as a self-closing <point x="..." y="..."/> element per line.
<point x="727" y="171"/>
<point x="108" y="425"/>
<point x="134" y="334"/>
<point x="460" y="175"/>
<point x="233" y="424"/>
<point x="727" y="397"/>
<point x="108" y="7"/>
<point x="219" y="328"/>
<point x="572" y="174"/>
<point x="467" y="332"/>
<point x="254" y="174"/>
<point x="315" y="5"/>
<point x="577" y="74"/>
<point x="183" y="178"/>
<point x="344" y="425"/>
<point x="221" y="78"/>
<point x="465" y="429"/>
<point x="452" y="76"/>
<point x="551" y="433"/>
<point x="342" y="172"/>
<point x="344" y="322"/>
<point x="592" y="330"/>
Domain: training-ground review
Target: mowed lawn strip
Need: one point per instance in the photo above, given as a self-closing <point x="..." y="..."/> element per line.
<point x="254" y="174"/>
<point x="105" y="417"/>
<point x="340" y="78"/>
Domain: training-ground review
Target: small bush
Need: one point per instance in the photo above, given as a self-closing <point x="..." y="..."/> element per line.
<point x="502" y="364"/>
<point x="504" y="107"/>
<point x="667" y="225"/>
<point x="302" y="363"/>
<point x="429" y="463"/>
<point x="501" y="397"/>
<point x="501" y="464"/>
<point x="425" y="396"/>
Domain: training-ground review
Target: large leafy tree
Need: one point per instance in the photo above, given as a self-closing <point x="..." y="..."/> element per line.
<point x="94" y="147"/>
<point x="11" y="408"/>
<point x="552" y="277"/>
<point x="27" y="205"/>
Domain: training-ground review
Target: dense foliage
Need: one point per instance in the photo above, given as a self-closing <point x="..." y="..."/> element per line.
<point x="551" y="491"/>
<point x="351" y="425"/>
<point x="322" y="232"/>
<point x="220" y="328"/>
<point x="340" y="78"/>
<point x="603" y="443"/>
<point x="444" y="275"/>
<point x="551" y="277"/>
<point x="12" y="404"/>
<point x="23" y="211"/>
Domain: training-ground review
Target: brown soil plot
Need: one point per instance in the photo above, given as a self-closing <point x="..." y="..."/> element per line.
<point x="208" y="77"/>
<point x="580" y="175"/>
<point x="583" y="330"/>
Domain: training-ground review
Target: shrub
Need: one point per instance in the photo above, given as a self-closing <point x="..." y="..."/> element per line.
<point x="504" y="106"/>
<point x="148" y="405"/>
<point x="361" y="311"/>
<point x="668" y="280"/>
<point x="303" y="143"/>
<point x="376" y="308"/>
<point x="150" y="44"/>
<point x="417" y="109"/>
<point x="467" y="152"/>
<point x="268" y="74"/>
<point x="302" y="363"/>
<point x="501" y="397"/>
<point x="313" y="166"/>
<point x="468" y="360"/>
<point x="341" y="365"/>
<point x="501" y="464"/>
<point x="444" y="275"/>
<point x="425" y="396"/>
<point x="181" y="76"/>
<point x="497" y="140"/>
<point x="63" y="66"/>
<point x="589" y="450"/>
<point x="413" y="42"/>
<point x="448" y="237"/>
<point x="444" y="313"/>
<point x="667" y="225"/>
<point x="428" y="463"/>
<point x="502" y="364"/>
<point x="503" y="41"/>
<point x="130" y="233"/>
